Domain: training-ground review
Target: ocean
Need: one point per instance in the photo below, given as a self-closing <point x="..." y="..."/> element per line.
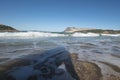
<point x="101" y="49"/>
<point x="89" y="46"/>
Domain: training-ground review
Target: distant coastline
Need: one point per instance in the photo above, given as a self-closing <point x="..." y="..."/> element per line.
<point x="6" y="28"/>
<point x="87" y="30"/>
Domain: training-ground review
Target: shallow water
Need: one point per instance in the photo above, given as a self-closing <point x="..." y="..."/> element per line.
<point x="17" y="47"/>
<point x="101" y="50"/>
<point x="89" y="46"/>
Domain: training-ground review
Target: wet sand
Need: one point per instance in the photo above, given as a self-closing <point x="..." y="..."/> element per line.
<point x="3" y="59"/>
<point x="86" y="70"/>
<point x="10" y="65"/>
<point x="114" y="67"/>
<point x="91" y="71"/>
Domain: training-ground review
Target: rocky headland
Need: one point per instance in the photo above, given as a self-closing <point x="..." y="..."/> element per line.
<point x="6" y="28"/>
<point x="86" y="30"/>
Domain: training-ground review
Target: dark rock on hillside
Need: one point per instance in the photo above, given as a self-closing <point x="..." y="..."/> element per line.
<point x="6" y="28"/>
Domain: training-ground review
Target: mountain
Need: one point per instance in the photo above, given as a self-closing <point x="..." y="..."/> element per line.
<point x="86" y="30"/>
<point x="6" y="28"/>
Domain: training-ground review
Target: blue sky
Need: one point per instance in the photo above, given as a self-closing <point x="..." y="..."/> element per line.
<point x="56" y="15"/>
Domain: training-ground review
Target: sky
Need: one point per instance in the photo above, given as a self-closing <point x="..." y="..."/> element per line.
<point x="56" y="15"/>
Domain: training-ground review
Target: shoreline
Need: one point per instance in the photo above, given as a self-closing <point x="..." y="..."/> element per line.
<point x="86" y="70"/>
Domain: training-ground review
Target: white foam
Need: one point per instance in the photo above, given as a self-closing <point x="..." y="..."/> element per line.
<point x="31" y="34"/>
<point x="115" y="35"/>
<point x="85" y="34"/>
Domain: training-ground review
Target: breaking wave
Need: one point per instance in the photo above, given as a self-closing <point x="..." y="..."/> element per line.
<point x="49" y="34"/>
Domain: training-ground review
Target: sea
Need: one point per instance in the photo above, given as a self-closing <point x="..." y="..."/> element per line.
<point x="88" y="46"/>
